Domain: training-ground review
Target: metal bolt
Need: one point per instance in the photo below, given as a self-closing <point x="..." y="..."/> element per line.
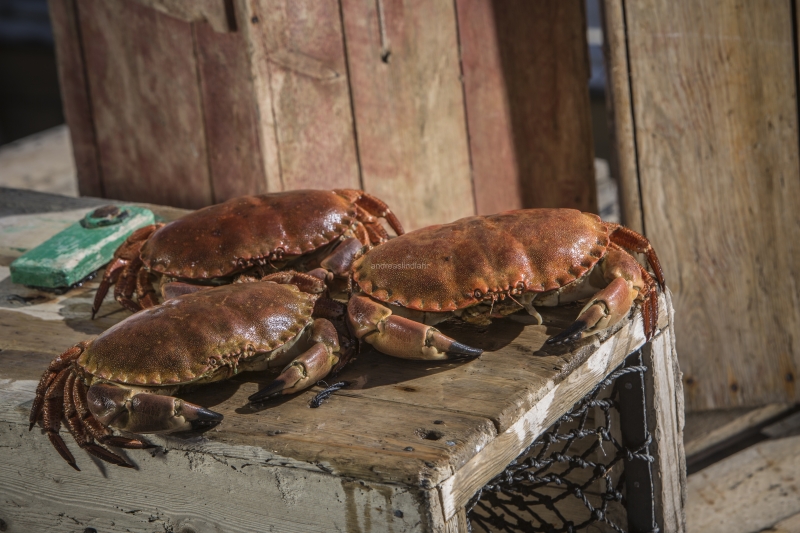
<point x="106" y="215"/>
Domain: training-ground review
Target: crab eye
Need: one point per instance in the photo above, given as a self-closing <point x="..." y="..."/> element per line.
<point x="478" y="294"/>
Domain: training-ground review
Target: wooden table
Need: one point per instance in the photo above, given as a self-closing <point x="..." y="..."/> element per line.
<point x="402" y="448"/>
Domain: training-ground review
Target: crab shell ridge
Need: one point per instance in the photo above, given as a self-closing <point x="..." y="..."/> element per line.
<point x="453" y="266"/>
<point x="192" y="336"/>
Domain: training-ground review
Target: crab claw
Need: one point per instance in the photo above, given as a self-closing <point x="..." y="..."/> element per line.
<point x="401" y="337"/>
<point x="308" y="367"/>
<point x="146" y="413"/>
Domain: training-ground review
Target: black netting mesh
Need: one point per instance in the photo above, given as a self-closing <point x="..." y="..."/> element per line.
<point x="570" y="478"/>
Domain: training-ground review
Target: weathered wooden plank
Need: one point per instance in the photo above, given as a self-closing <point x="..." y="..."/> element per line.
<point x="218" y="13"/>
<point x="40" y="162"/>
<point x="236" y="489"/>
<point x="231" y="124"/>
<point x="665" y="420"/>
<point x="722" y="496"/>
<point x="525" y="69"/>
<point x="717" y="134"/>
<point x="304" y="47"/>
<point x="149" y="125"/>
<point x="409" y="107"/>
<point x="75" y="95"/>
<point x="552" y="401"/>
<point x="787" y="525"/>
<point x="495" y="166"/>
<point x="624" y="165"/>
<point x="707" y="429"/>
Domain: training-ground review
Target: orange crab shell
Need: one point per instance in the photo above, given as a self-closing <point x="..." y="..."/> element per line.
<point x="453" y="266"/>
<point x="193" y="336"/>
<point x="216" y="241"/>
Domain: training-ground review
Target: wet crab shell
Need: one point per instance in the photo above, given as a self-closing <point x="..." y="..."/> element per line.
<point x="224" y="239"/>
<point x="453" y="266"/>
<point x="192" y="337"/>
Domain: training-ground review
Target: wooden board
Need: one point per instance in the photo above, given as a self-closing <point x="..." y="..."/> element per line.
<point x="746" y="492"/>
<point x="409" y="107"/>
<point x="418" y="438"/>
<point x="74" y="85"/>
<point x="706" y="430"/>
<point x="526" y="70"/>
<point x="310" y="93"/>
<point x="231" y="125"/>
<point x="149" y="126"/>
<point x="716" y="144"/>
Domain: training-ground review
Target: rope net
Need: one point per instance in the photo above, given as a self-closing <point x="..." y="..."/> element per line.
<point x="570" y="478"/>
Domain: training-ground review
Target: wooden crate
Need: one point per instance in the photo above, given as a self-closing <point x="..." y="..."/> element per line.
<point x="403" y="448"/>
<point x="705" y="119"/>
<point x="443" y="109"/>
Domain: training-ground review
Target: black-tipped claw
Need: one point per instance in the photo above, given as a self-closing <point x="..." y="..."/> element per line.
<point x="273" y="389"/>
<point x="571" y="334"/>
<point x="462" y="351"/>
<point x="205" y="418"/>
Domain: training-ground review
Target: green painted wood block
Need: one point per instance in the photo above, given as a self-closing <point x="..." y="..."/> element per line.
<point x="74" y="253"/>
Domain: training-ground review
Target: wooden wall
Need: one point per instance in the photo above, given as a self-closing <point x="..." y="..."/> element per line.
<point x="443" y="108"/>
<point x="706" y="122"/>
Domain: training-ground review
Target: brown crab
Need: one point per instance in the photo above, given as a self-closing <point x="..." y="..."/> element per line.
<point x="299" y="230"/>
<point x="125" y="378"/>
<point x="482" y="267"/>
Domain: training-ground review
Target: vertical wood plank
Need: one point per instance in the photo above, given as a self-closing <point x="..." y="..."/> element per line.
<point x="229" y="113"/>
<point x="526" y="72"/>
<point x="147" y="106"/>
<point x="618" y="101"/>
<point x="716" y="119"/>
<point x="409" y="107"/>
<point x="458" y="523"/>
<point x="75" y="95"/>
<point x="665" y="419"/>
<point x="495" y="168"/>
<point x="310" y="94"/>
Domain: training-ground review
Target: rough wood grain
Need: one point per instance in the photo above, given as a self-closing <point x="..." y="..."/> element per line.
<point x="722" y="497"/>
<point x="229" y="112"/>
<point x="706" y="429"/>
<point x="75" y="95"/>
<point x="665" y="420"/>
<point x="787" y="525"/>
<point x="220" y="18"/>
<point x="552" y="400"/>
<point x="624" y="165"/>
<point x="716" y="121"/>
<point x="310" y="93"/>
<point x="179" y="489"/>
<point x="525" y="70"/>
<point x="150" y="133"/>
<point x="409" y="108"/>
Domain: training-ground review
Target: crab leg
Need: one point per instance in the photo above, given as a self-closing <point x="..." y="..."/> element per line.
<point x="340" y="261"/>
<point x="52" y="412"/>
<point x="611" y="304"/>
<point x="401" y="337"/>
<point x="308" y="367"/>
<point x="79" y="431"/>
<point x="126" y="253"/>
<point x="144" y="412"/>
<point x="378" y="208"/>
<point x="627" y="238"/>
<point x="55" y="367"/>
